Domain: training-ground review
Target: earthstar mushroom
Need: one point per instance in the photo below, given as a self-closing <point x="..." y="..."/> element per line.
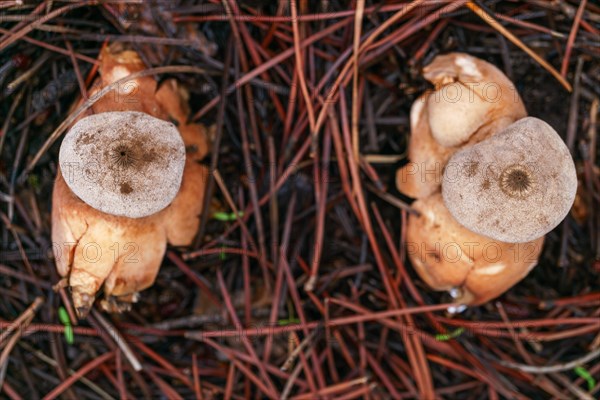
<point x="489" y="182"/>
<point x="129" y="183"/>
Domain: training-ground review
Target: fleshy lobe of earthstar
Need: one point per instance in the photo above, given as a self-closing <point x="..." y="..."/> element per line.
<point x="472" y="267"/>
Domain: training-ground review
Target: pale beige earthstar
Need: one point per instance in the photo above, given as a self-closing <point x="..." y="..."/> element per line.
<point x="130" y="182"/>
<point x="467" y="150"/>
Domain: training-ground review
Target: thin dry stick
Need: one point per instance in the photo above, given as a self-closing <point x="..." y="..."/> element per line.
<point x="242" y="36"/>
<point x="271" y="63"/>
<point x="368" y="41"/>
<point x="58" y="390"/>
<point x="13" y="107"/>
<point x="81" y="83"/>
<point x="285" y="240"/>
<point x="392" y="199"/>
<point x="216" y="145"/>
<point x="571" y="40"/>
<point x="580" y="394"/>
<point x="383" y="317"/>
<point x="334" y="388"/>
<point x="55" y="49"/>
<point x="196" y="376"/>
<point x="120" y="378"/>
<point x="321" y="190"/>
<point x="516" y="41"/>
<point x="294" y="354"/>
<point x="229" y="382"/>
<point x="543" y="382"/>
<point x="422" y="373"/>
<point x="13" y="37"/>
<point x="231" y="203"/>
<point x="360" y="8"/>
<point x="231" y="356"/>
<point x="27" y="314"/>
<point x="252" y="186"/>
<point x="6" y="352"/>
<point x="271" y="389"/>
<point x="302" y="365"/>
<point x="592" y="132"/>
<point x="27" y="75"/>
<point x="293" y="292"/>
<point x="300" y="67"/>
<point x="552" y="368"/>
<point x="285" y="394"/>
<point x="574" y="107"/>
<point x="48" y="360"/>
<point x="28" y="317"/>
<point x="119" y="340"/>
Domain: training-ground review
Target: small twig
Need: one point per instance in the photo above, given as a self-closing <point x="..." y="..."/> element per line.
<point x="27" y="314"/>
<point x="119" y="340"/>
<point x="294" y="354"/>
<point x="321" y="190"/>
<point x="22" y="322"/>
<point x="510" y="36"/>
<point x="393" y="200"/>
<point x="58" y="390"/>
<point x="13" y="37"/>
<point x="236" y="212"/>
<point x="216" y="145"/>
<point x="360" y="8"/>
<point x="572" y="35"/>
<point x="53" y="48"/>
<point x="552" y="368"/>
<point x="300" y="68"/>
<point x="581" y="395"/>
<point x="289" y="384"/>
<point x="82" y="88"/>
<point x="196" y="377"/>
<point x="574" y="107"/>
<point x="53" y="363"/>
<point x="4" y="130"/>
<point x="27" y="75"/>
<point x="252" y="186"/>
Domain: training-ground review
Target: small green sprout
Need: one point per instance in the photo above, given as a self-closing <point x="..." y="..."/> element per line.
<point x="585" y="374"/>
<point x="291" y="319"/>
<point x="225" y="217"/>
<point x="443" y="337"/>
<point x="66" y="321"/>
